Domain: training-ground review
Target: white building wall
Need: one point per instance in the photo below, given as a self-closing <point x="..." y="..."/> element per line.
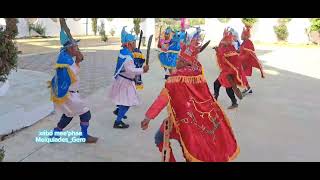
<point x="149" y="27"/>
<point x="262" y="30"/>
<point x="81" y="27"/>
<point x="297" y="30"/>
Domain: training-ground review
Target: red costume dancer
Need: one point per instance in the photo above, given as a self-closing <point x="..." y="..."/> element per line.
<point x="195" y="118"/>
<point x="248" y="57"/>
<point x="232" y="74"/>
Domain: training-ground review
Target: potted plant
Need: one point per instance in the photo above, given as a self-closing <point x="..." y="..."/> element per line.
<point x="112" y="32"/>
<point x="281" y="29"/>
<point x="314" y="33"/>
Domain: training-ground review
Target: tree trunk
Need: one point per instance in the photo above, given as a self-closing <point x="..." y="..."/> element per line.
<point x="11" y="28"/>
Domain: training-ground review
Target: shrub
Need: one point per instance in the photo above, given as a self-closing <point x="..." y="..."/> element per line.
<point x="315" y="24"/>
<point x="39" y="28"/>
<point x="94" y="24"/>
<point x="172" y="22"/>
<point x="102" y="33"/>
<point x="224" y="20"/>
<point x="136" y="22"/>
<point x="112" y="31"/>
<point x="249" y="21"/>
<point x="281" y="29"/>
<point x="284" y="20"/>
<point x="281" y="32"/>
<point x="196" y="21"/>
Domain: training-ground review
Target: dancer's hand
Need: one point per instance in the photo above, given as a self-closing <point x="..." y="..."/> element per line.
<point x="215" y="48"/>
<point x="145" y="68"/>
<point x="145" y="123"/>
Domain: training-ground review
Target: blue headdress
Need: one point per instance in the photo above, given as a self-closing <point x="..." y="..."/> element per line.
<point x="65" y="41"/>
<point x="168" y="31"/>
<point x="126" y="37"/>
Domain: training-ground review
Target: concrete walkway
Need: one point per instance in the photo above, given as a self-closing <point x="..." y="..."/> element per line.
<point x="278" y="122"/>
<point x="26" y="101"/>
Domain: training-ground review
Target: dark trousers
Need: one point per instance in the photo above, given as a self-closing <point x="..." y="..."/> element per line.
<point x="217" y="86"/>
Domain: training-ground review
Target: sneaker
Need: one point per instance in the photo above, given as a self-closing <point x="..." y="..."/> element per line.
<point x="247" y="91"/>
<point x="91" y="139"/>
<point x="121" y="125"/>
<point x="244" y="91"/>
<point x="115" y="112"/>
<point x="233" y="106"/>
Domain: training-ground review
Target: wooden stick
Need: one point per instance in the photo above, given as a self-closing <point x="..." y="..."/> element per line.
<point x="65" y="27"/>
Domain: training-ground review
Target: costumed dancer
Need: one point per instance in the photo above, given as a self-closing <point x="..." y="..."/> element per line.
<point x="231" y="74"/>
<point x="163" y="45"/>
<point x="248" y="57"/>
<point x="184" y="25"/>
<point x="123" y="91"/>
<point x="236" y="41"/>
<point x="195" y="118"/>
<point x="65" y="88"/>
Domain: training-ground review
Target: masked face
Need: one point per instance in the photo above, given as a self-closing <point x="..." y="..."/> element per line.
<point x="166" y="36"/>
<point x="181" y="63"/>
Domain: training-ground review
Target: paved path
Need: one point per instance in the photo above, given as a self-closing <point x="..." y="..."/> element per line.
<point x="279" y="122"/>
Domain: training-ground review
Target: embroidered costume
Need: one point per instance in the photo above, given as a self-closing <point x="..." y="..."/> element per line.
<point x="195" y="118"/>
<point x="65" y="89"/>
<point x="123" y="91"/>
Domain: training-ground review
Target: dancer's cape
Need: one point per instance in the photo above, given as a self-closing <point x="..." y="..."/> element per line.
<point x="249" y="57"/>
<point x="204" y="129"/>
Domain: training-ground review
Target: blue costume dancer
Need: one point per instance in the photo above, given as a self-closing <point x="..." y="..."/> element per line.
<point x="123" y="90"/>
<point x="65" y="88"/>
<point x="169" y="51"/>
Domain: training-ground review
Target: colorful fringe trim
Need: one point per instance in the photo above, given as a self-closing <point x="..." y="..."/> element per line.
<point x="187" y="79"/>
